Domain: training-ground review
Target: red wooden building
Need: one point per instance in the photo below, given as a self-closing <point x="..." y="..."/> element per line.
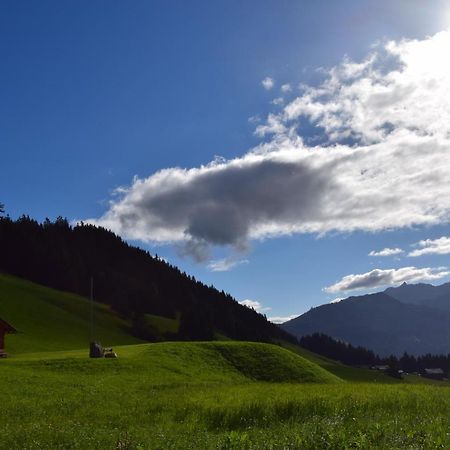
<point x="5" y="327"/>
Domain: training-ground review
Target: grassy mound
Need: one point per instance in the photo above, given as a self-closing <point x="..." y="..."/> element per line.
<point x="50" y="320"/>
<point x="186" y="362"/>
<point x="347" y="373"/>
<point x="265" y="362"/>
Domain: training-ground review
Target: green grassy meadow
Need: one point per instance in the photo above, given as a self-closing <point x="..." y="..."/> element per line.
<point x="50" y="320"/>
<point x="197" y="395"/>
<point x="185" y="395"/>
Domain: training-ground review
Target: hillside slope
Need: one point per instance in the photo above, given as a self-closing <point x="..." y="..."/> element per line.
<point x="380" y="323"/>
<point x="50" y="320"/>
<point x="344" y="372"/>
<point x="128" y="279"/>
<point x="187" y="362"/>
<point x="55" y="325"/>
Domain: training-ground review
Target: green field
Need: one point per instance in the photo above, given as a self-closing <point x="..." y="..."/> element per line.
<point x="208" y="395"/>
<point x="50" y="320"/>
<point x="184" y="395"/>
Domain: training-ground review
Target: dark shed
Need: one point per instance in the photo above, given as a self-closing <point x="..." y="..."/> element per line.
<point x="5" y="327"/>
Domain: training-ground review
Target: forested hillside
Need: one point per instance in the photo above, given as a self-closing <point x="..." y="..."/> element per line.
<point x="127" y="278"/>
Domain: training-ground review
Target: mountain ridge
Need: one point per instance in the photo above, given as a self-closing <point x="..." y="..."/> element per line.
<point x="384" y="323"/>
<point x="423" y="294"/>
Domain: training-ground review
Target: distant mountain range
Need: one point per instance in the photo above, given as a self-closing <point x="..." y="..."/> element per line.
<point x="412" y="317"/>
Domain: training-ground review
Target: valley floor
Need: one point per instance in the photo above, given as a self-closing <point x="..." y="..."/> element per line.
<point x="200" y="396"/>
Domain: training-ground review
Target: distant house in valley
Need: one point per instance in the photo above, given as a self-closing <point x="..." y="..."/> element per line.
<point x="436" y="373"/>
<point x="383" y="368"/>
<point x="5" y="327"/>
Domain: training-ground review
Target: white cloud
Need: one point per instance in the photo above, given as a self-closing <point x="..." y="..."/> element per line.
<point x="286" y="88"/>
<point x="277" y="101"/>
<point x="268" y="83"/>
<point x="225" y="264"/>
<point x="337" y="299"/>
<point x="439" y="246"/>
<point x="386" y="252"/>
<point x="387" y="277"/>
<point x="282" y="319"/>
<point x="403" y="85"/>
<point x="273" y="125"/>
<point x="254" y="119"/>
<point x="255" y="305"/>
<point x="382" y="162"/>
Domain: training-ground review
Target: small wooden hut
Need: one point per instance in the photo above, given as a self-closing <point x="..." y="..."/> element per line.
<point x="5" y="327"/>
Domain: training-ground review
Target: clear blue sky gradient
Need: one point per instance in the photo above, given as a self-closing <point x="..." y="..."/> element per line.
<point x="95" y="92"/>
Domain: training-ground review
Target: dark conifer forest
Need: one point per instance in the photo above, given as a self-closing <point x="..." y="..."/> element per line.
<point x="340" y="351"/>
<point x="359" y="356"/>
<point x="127" y="278"/>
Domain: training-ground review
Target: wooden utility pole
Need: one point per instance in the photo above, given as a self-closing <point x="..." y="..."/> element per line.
<point x="92" y="309"/>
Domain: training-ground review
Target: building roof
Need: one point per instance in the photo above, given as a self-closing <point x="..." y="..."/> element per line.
<point x="5" y="326"/>
<point x="434" y="371"/>
<point x="381" y="367"/>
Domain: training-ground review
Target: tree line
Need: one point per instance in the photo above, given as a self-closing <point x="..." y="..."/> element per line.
<point x="359" y="356"/>
<point x="129" y="279"/>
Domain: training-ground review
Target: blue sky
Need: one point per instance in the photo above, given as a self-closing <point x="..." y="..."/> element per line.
<point x="95" y="93"/>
